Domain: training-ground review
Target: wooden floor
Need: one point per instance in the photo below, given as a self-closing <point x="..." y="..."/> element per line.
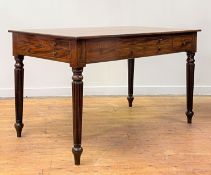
<point x="151" y="138"/>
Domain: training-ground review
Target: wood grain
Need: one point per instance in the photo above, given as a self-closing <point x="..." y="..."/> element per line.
<point x="43" y="47"/>
<point x="150" y="138"/>
<point x="79" y="52"/>
<point x="107" y="49"/>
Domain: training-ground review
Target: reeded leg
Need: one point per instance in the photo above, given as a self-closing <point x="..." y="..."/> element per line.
<point x="19" y="79"/>
<point x="77" y="102"/>
<point x="130" y="97"/>
<point x="190" y="66"/>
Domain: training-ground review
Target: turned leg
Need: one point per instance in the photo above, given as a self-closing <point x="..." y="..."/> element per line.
<point x="19" y="79"/>
<point x="77" y="102"/>
<point x="190" y="66"/>
<point x="130" y="97"/>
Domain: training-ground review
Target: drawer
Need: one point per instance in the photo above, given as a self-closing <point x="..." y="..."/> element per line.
<point x="109" y="49"/>
<point x="43" y="47"/>
<point x="101" y="49"/>
<point x="183" y="42"/>
<point x="144" y="46"/>
<point x="153" y="46"/>
<point x="126" y="47"/>
<point x="129" y="47"/>
<point x="35" y="46"/>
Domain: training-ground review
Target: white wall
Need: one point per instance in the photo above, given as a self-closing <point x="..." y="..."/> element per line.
<point x="153" y="75"/>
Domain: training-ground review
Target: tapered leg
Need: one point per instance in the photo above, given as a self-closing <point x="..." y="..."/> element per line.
<point x="130" y="97"/>
<point x="19" y="79"/>
<point x="190" y="66"/>
<point x="77" y="100"/>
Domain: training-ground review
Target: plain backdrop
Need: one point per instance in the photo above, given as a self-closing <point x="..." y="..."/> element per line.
<point x="160" y="75"/>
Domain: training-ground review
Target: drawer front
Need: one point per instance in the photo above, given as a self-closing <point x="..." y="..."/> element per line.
<point x="101" y="49"/>
<point x="35" y="46"/>
<point x="130" y="47"/>
<point x="156" y="46"/>
<point x="43" y="47"/>
<point x="126" y="47"/>
<point x="183" y="42"/>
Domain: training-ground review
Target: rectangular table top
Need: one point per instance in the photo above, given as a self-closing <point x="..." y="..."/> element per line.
<point x="96" y="32"/>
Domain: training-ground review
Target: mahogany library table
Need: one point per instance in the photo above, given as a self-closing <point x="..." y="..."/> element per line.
<point x="81" y="46"/>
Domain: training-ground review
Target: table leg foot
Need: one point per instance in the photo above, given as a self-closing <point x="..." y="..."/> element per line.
<point x="19" y="127"/>
<point x="77" y="154"/>
<point x="190" y="66"/>
<point x="77" y="100"/>
<point x="189" y="115"/>
<point x="19" y="79"/>
<point x="130" y="97"/>
<point x="130" y="101"/>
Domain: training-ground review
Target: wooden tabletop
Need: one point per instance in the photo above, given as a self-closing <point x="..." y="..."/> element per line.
<point x="95" y="32"/>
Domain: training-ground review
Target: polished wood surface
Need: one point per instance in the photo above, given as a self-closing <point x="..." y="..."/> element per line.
<point x="19" y="81"/>
<point x="77" y="101"/>
<point x="151" y="138"/>
<point x="79" y="52"/>
<point x="131" y="64"/>
<point x="95" y="32"/>
<point x="79" y="47"/>
<point x="190" y="66"/>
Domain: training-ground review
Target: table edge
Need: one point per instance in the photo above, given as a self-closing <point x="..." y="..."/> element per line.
<point x="109" y="36"/>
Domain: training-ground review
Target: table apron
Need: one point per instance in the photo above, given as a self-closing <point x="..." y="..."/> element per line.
<point x="108" y="49"/>
<point x="79" y="52"/>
